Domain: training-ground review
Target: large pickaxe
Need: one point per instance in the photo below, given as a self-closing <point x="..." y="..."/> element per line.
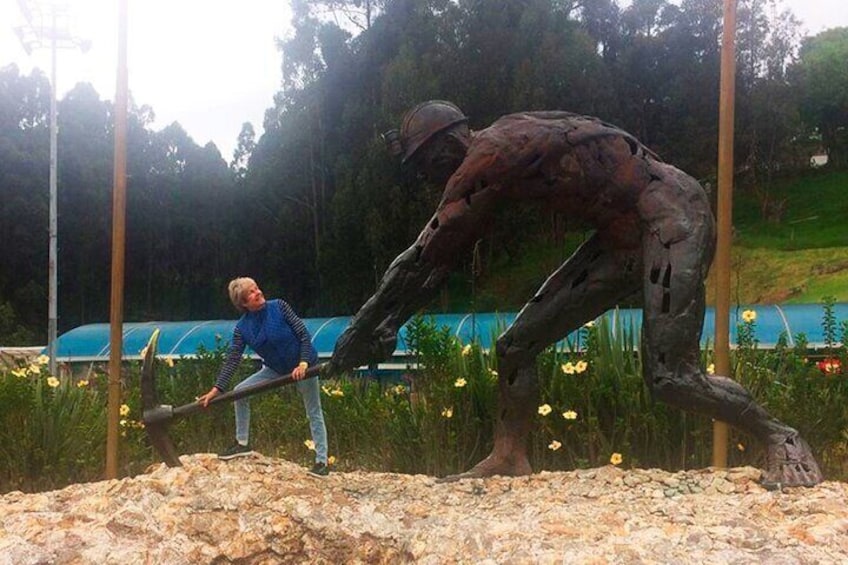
<point x="157" y="417"/>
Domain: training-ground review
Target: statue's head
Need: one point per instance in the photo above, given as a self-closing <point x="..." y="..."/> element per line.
<point x="433" y="136"/>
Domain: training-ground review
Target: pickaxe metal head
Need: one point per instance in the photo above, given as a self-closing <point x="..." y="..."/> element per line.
<point x="157" y="417"/>
<point x="155" y="422"/>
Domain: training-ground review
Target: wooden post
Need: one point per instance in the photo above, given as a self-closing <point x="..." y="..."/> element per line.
<point x="725" y="216"/>
<point x="119" y="205"/>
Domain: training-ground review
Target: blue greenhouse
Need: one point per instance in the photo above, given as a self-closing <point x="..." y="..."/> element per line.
<point x="90" y="343"/>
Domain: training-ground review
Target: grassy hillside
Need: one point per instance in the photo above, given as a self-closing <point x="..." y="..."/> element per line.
<point x="800" y="256"/>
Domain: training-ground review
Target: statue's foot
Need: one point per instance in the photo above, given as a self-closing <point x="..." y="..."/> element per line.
<point x="790" y="463"/>
<point x="509" y="465"/>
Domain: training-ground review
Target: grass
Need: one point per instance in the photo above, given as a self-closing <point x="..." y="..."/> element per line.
<point x="816" y="205"/>
<point x="768" y="276"/>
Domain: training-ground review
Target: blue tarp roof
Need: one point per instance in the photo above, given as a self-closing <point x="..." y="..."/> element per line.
<point x="184" y="339"/>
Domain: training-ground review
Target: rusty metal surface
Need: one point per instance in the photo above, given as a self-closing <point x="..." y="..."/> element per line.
<point x="654" y="235"/>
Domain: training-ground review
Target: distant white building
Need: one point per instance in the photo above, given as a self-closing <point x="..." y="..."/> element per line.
<point x="819" y="160"/>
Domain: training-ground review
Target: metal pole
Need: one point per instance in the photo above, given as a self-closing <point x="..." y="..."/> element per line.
<point x="116" y="342"/>
<point x="35" y="33"/>
<point x="52" y="267"/>
<point x="725" y="216"/>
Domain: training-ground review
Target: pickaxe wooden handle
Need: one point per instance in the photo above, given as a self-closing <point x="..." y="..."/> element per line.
<point x="157" y="417"/>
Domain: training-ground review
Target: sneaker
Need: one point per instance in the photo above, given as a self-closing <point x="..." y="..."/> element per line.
<point x="237" y="450"/>
<point x="320" y="470"/>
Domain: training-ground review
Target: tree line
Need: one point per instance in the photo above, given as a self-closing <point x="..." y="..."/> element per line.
<point x="315" y="208"/>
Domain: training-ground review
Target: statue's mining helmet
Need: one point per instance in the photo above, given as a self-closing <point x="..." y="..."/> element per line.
<point x="420" y="124"/>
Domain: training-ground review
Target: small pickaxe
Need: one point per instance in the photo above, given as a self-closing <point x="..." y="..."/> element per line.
<point x="157" y="417"/>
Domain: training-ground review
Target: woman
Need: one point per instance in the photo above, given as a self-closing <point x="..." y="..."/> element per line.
<point x="273" y="330"/>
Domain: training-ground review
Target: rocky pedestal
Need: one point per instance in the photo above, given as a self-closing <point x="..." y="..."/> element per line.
<point x="264" y="510"/>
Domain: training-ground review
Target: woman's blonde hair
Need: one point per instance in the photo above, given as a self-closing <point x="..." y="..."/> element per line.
<point x="237" y="288"/>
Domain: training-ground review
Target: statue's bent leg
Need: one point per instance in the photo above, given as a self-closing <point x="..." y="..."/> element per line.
<point x="589" y="283"/>
<point x="673" y="318"/>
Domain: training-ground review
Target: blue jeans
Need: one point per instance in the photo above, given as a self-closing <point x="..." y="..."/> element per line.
<point x="309" y="389"/>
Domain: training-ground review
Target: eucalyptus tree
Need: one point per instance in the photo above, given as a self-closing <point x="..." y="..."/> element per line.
<point x="821" y="76"/>
<point x="244" y="149"/>
<point x="85" y="149"/>
<point x="767" y="118"/>
<point x="24" y="168"/>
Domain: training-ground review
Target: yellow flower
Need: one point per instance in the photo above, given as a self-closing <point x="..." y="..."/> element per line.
<point x="447" y="412"/>
<point x="466" y="350"/>
<point x="400" y="389"/>
<point x="711" y="369"/>
<point x="326" y="389"/>
<point x="616" y="459"/>
<point x="554" y="445"/>
<point x="42" y="359"/>
<point x="35" y="369"/>
<point x="545" y="409"/>
<point x="82" y="384"/>
<point x="749" y="316"/>
<point x="493" y="372"/>
<point x="20" y="373"/>
<point x="740" y="446"/>
<point x="309" y="444"/>
<point x="337" y="392"/>
<point x="568" y="368"/>
<point x="123" y="423"/>
<point x="169" y="362"/>
<point x="459" y="383"/>
<point x="569" y="415"/>
<point x="52" y="382"/>
<point x="580" y="366"/>
<point x="331" y="460"/>
<point x="125" y="410"/>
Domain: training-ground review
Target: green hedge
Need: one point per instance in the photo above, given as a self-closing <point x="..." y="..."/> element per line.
<point x="438" y="418"/>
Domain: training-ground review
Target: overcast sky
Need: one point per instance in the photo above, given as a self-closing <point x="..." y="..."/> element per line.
<point x="209" y="64"/>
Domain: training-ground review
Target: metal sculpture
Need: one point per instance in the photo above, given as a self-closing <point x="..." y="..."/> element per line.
<point x="654" y="234"/>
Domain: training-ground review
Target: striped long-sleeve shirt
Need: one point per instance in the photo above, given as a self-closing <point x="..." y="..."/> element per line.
<point x="263" y="330"/>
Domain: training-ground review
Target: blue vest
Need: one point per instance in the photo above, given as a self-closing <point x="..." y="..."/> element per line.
<point x="267" y="332"/>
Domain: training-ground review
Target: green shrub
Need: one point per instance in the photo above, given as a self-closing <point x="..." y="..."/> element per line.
<point x="438" y="417"/>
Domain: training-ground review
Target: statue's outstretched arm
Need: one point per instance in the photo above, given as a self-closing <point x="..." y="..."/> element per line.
<point x="413" y="279"/>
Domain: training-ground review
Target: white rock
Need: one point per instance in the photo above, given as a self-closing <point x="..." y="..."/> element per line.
<point x="264" y="510"/>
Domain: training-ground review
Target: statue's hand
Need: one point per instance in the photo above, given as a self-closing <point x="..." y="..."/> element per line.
<point x="354" y="348"/>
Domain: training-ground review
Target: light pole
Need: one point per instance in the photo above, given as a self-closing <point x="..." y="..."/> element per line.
<point x="47" y="24"/>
